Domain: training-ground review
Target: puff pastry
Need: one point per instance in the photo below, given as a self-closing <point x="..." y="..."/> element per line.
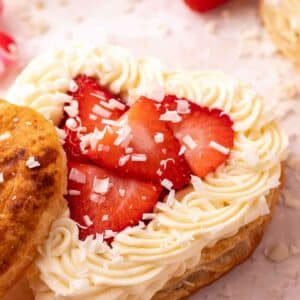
<point x="33" y="176"/>
<point x="221" y="258"/>
<point x="208" y="227"/>
<point x="216" y="261"/>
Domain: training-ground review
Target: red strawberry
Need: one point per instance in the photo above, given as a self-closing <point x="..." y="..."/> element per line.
<point x="95" y="103"/>
<point x="207" y="135"/>
<point x="204" y="5"/>
<point x="99" y="200"/>
<point x="150" y="154"/>
<point x="92" y="99"/>
<point x="8" y="50"/>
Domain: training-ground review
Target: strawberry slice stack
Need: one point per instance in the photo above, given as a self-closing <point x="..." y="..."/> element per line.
<point x="143" y="147"/>
<point x="122" y="159"/>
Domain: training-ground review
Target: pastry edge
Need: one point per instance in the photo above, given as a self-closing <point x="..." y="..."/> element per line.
<point x="28" y="250"/>
<point x="220" y="259"/>
<point x="224" y="256"/>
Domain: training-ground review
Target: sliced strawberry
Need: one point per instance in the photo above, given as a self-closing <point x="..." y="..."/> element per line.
<point x="99" y="200"/>
<point x="207" y="135"/>
<point x="95" y="103"/>
<point x="204" y="5"/>
<point x="92" y="100"/>
<point x="151" y="152"/>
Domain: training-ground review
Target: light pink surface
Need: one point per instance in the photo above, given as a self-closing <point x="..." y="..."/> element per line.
<point x="229" y="39"/>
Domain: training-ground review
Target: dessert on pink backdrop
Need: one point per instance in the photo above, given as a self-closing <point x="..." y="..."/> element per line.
<point x="230" y="38"/>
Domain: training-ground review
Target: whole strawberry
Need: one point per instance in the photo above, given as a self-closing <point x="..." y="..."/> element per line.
<point x="204" y="5"/>
<point x="8" y="48"/>
<point x="8" y="51"/>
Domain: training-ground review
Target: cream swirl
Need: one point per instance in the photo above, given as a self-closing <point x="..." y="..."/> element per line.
<point x="144" y="258"/>
<point x="281" y="19"/>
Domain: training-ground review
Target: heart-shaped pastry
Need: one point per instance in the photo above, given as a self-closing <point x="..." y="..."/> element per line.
<point x="172" y="174"/>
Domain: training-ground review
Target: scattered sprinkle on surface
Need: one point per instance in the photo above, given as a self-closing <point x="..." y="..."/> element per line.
<point x="123" y="160"/>
<point x="77" y="176"/>
<point x="32" y="163"/>
<point x="196" y="183"/>
<point x="87" y="220"/>
<point x="4" y="136"/>
<point x="101" y="186"/>
<point x="171" y="198"/>
<point x="159" y="137"/>
<point x="219" y="147"/>
<point x="166" y="183"/>
<point x="73" y="193"/>
<point x="109" y="234"/>
<point x="100" y="111"/>
<point x="139" y="157"/>
<point x="190" y="143"/>
<point x="105" y="218"/>
<point x="182" y="150"/>
<point x="170" y="116"/>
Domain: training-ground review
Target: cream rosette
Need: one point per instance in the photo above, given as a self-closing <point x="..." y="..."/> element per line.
<point x="143" y="259"/>
<point x="282" y="20"/>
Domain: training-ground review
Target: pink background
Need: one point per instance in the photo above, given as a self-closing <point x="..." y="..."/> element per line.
<point x="230" y="39"/>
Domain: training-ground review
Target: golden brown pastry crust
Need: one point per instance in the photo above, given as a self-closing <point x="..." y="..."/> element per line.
<point x="221" y="258"/>
<point x="30" y="198"/>
<point x="282" y="22"/>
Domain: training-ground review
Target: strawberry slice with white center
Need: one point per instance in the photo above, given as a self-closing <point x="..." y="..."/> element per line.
<point x="94" y="105"/>
<point x="102" y="202"/>
<point x="206" y="135"/>
<point x="143" y="147"/>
